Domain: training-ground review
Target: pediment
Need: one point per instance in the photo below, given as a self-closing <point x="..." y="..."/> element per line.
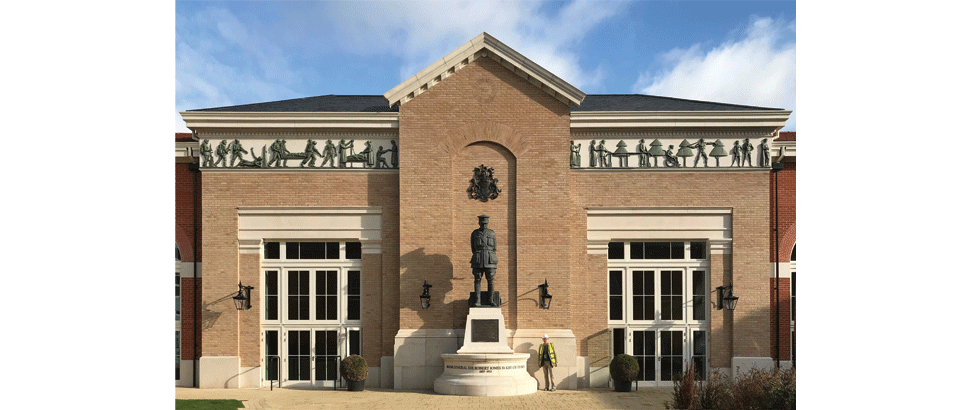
<point x="483" y="46"/>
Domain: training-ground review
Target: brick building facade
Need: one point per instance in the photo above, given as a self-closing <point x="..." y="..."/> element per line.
<point x="337" y="251"/>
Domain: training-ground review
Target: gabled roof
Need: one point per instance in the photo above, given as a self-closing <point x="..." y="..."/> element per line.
<point x="641" y="102"/>
<point x="485" y="45"/>
<point x="322" y="103"/>
<point x="592" y="102"/>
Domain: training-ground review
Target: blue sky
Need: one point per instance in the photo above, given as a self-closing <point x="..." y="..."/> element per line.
<point x="230" y="53"/>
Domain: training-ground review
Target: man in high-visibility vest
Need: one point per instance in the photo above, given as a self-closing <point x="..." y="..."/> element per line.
<point x="548" y="360"/>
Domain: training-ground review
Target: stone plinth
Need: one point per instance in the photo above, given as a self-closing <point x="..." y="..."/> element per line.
<point x="490" y="374"/>
<point x="485" y="332"/>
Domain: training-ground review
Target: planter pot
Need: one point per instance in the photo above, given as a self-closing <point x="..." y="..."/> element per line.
<point x="623" y="387"/>
<point x="358" y="385"/>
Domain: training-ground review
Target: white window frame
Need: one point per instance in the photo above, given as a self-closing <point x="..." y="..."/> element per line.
<point x="687" y="325"/>
<point x="792" y="304"/>
<point x="283" y="325"/>
<point x="178" y="354"/>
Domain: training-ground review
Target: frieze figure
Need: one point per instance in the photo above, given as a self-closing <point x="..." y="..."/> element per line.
<point x="593" y="152"/>
<point x="258" y="162"/>
<point x="483" y="186"/>
<point x="394" y="154"/>
<point x="575" y="158"/>
<point x="206" y="153"/>
<point x="330" y="152"/>
<point x="379" y="161"/>
<point x="747" y="151"/>
<point x="369" y="160"/>
<point x="309" y="153"/>
<point x="700" y="145"/>
<point x="642" y="154"/>
<point x="343" y="148"/>
<point x="736" y="154"/>
<point x="277" y="152"/>
<point x="670" y="159"/>
<point x="237" y="151"/>
<point x="603" y="155"/>
<point x="764" y="157"/>
<point x="221" y="152"/>
<point x="364" y="157"/>
<point x="484" y="260"/>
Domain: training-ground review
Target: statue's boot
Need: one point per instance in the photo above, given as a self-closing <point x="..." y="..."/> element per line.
<point x="489" y="289"/>
<point x="476" y="289"/>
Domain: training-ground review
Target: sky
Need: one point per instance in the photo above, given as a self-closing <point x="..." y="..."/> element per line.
<point x="240" y="52"/>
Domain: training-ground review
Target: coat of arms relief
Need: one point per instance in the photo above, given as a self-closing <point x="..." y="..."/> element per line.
<point x="483" y="186"/>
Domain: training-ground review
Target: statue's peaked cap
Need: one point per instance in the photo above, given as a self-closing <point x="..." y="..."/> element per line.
<point x="483" y="217"/>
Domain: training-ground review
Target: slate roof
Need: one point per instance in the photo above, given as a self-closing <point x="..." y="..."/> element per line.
<point x="641" y="102"/>
<point x="322" y="103"/>
<point x="378" y="103"/>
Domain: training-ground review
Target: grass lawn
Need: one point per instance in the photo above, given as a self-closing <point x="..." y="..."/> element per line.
<point x="208" y="404"/>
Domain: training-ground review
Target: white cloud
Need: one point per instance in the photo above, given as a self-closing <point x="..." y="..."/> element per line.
<point x="226" y="59"/>
<point x="220" y="62"/>
<point x="420" y="33"/>
<point x="759" y="69"/>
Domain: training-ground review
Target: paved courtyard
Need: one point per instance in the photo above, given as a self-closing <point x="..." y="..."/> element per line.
<point x="371" y="398"/>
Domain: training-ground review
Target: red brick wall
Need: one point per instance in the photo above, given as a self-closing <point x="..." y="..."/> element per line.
<point x="184" y="229"/>
<point x="787" y="194"/>
<point x="189" y="324"/>
<point x="787" y="237"/>
<point x="183" y="211"/>
<point x="784" y="320"/>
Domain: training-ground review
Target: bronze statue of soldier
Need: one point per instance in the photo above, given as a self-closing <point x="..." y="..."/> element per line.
<point x="483" y="243"/>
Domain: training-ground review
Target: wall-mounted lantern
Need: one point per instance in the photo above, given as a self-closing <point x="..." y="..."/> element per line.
<point x="545" y="296"/>
<point x="242" y="298"/>
<point x="725" y="297"/>
<point x="425" y="297"/>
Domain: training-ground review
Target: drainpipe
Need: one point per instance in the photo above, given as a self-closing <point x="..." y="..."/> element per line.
<point x="777" y="166"/>
<point x="196" y="280"/>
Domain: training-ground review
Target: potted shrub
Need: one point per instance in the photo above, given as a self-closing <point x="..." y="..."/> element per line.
<point x="624" y="370"/>
<point x="354" y="369"/>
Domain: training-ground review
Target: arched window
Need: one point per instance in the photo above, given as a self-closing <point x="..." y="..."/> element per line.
<point x="793" y="253"/>
<point x="178" y="255"/>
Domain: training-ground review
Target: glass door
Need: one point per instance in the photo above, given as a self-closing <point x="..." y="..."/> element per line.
<point x="658" y="314"/>
<point x="311" y="357"/>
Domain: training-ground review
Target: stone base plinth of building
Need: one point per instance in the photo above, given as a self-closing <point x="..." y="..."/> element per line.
<point x="490" y="374"/>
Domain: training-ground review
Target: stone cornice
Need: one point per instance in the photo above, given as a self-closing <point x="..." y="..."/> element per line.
<point x="789" y="148"/>
<point x="187" y="149"/>
<point x="771" y="120"/>
<point x="215" y="120"/>
<point x="469" y="52"/>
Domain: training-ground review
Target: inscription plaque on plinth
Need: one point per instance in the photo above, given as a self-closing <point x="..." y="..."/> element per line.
<point x="485" y="330"/>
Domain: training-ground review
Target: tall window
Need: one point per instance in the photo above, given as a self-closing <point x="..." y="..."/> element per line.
<point x="658" y="306"/>
<point x="793" y="277"/>
<point x="178" y="355"/>
<point x="178" y="297"/>
<point x="311" y="308"/>
<point x="178" y="311"/>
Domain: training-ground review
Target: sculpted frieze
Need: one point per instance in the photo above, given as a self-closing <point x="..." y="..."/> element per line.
<point x="344" y="153"/>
